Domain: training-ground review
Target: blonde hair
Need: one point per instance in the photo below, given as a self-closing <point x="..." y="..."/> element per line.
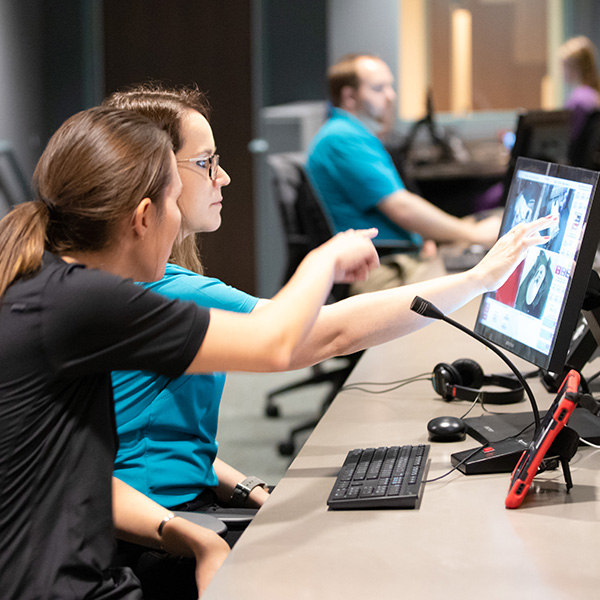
<point x="168" y="107"/>
<point x="579" y="56"/>
<point x="95" y="170"/>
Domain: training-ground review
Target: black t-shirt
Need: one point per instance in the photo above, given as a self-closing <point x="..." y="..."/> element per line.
<point x="61" y="334"/>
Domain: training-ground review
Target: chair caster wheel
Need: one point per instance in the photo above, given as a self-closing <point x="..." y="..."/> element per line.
<point x="272" y="411"/>
<point x="286" y="448"/>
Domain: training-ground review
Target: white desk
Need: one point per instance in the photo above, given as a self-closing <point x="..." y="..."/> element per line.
<point x="460" y="543"/>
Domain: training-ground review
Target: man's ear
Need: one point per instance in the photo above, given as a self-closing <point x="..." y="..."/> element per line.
<point x="141" y="217"/>
<point x="348" y="98"/>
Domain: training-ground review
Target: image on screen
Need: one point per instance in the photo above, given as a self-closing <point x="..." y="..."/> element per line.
<point x="535" y="312"/>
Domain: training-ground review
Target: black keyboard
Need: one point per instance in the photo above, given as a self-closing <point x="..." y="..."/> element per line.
<point x="386" y="477"/>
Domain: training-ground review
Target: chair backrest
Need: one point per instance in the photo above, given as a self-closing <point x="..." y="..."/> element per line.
<point x="584" y="151"/>
<point x="305" y="221"/>
<point x="14" y="188"/>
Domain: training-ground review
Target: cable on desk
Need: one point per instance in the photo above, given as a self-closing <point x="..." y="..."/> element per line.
<point x="589" y="443"/>
<point x="473" y="405"/>
<point x="394" y="384"/>
<point x="455" y="466"/>
<point x="532" y="374"/>
<point x="478" y="400"/>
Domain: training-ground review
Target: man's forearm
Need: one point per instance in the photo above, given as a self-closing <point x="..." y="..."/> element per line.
<point x="413" y="213"/>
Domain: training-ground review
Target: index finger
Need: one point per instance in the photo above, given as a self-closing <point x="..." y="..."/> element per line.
<point x="528" y="234"/>
<point x="368" y="233"/>
<point x="538" y="224"/>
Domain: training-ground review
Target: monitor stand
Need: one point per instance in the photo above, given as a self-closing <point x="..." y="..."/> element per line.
<point x="438" y="139"/>
<point x="586" y="339"/>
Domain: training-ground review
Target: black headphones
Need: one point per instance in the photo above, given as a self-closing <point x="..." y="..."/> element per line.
<point x="464" y="378"/>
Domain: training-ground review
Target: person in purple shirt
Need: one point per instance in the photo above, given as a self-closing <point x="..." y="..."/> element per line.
<point x="578" y="57"/>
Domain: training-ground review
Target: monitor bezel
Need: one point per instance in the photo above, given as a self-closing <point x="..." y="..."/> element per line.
<point x="527" y="122"/>
<point x="567" y="322"/>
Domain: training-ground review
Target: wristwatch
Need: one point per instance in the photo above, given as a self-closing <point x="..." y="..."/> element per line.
<point x="242" y="491"/>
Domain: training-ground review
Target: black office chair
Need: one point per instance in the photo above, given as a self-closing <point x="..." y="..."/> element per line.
<point x="306" y="225"/>
<point x="584" y="150"/>
<point x="14" y="188"/>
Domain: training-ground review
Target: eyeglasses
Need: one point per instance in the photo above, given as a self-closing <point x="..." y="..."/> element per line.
<point x="210" y="162"/>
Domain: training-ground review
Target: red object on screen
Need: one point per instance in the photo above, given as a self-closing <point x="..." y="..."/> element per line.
<point x="508" y="292"/>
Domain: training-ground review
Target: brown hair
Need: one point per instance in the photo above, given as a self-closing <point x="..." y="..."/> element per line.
<point x="95" y="170"/>
<point x="579" y="55"/>
<point x="343" y="74"/>
<point x="168" y="108"/>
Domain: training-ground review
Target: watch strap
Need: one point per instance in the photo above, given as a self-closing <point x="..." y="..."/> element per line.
<point x="242" y="491"/>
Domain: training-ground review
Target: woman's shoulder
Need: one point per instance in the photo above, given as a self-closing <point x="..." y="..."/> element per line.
<point x="176" y="276"/>
<point x="75" y="279"/>
<point x="210" y="292"/>
<point x="584" y="96"/>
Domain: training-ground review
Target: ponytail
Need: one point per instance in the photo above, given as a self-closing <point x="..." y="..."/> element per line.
<point x="94" y="172"/>
<point x="22" y="241"/>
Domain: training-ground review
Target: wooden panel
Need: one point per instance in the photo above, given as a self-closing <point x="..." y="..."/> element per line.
<point x="209" y="44"/>
<point x="504" y="75"/>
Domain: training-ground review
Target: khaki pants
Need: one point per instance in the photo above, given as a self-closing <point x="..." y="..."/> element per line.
<point x="396" y="270"/>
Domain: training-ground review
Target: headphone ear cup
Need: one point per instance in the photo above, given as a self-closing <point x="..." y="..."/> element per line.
<point x="445" y="376"/>
<point x="470" y="373"/>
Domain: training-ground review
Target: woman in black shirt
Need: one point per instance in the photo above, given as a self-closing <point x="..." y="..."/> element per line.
<point x="106" y="210"/>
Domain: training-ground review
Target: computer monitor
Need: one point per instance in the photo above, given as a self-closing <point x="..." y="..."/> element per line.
<point x="543" y="135"/>
<point x="539" y="134"/>
<point x="535" y="313"/>
<point x="544" y="329"/>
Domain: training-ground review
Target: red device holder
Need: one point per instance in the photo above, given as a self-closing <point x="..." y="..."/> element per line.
<point x="565" y="444"/>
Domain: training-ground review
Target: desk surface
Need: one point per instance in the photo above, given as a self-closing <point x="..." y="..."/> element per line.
<point x="487" y="159"/>
<point x="460" y="543"/>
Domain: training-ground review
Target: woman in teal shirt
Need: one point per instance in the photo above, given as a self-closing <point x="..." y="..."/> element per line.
<point x="167" y="428"/>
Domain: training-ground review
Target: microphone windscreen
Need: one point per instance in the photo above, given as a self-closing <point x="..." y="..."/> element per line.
<point x="425" y="308"/>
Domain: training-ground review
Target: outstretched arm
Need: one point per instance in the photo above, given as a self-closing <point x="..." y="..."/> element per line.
<point x="137" y="519"/>
<point x="413" y="213"/>
<point x="366" y="320"/>
<point x="264" y="340"/>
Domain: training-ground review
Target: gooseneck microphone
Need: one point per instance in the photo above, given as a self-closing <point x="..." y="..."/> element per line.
<point x="427" y="309"/>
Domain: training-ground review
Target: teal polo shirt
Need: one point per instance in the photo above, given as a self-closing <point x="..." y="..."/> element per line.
<point x="352" y="172"/>
<point x="167" y="427"/>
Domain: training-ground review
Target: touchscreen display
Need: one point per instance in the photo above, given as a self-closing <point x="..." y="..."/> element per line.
<point x="524" y="314"/>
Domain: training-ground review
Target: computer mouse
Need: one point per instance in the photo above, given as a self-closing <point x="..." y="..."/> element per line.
<point x="446" y="429"/>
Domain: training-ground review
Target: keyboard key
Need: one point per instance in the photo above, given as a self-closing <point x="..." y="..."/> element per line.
<point x="354" y="491"/>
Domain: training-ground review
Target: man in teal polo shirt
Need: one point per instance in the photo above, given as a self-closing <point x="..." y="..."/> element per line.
<point x="354" y="175"/>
